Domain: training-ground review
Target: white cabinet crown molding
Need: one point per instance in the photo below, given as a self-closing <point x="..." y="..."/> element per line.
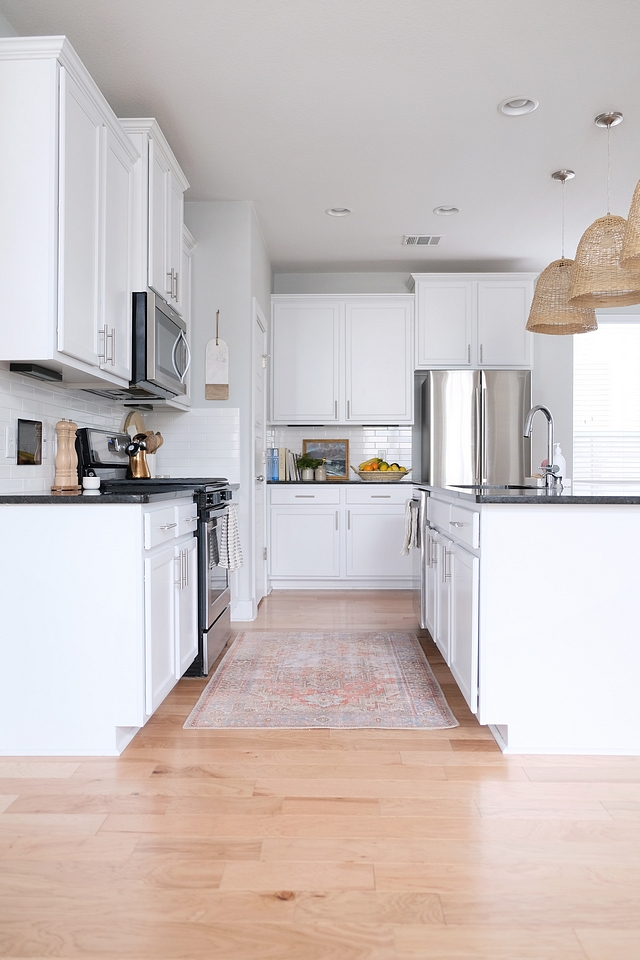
<point x="151" y="127"/>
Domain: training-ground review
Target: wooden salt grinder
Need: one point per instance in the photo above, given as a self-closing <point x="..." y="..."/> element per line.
<point x="66" y="480"/>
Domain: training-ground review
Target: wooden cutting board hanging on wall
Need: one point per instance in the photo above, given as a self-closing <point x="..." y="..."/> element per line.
<point x="217" y="368"/>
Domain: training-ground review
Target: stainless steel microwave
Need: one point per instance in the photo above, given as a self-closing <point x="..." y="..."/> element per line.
<point x="160" y="354"/>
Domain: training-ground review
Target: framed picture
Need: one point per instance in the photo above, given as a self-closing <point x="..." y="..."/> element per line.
<point x="335" y="454"/>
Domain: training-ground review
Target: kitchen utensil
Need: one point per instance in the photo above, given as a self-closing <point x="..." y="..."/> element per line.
<point x="137" y="450"/>
<point x="381" y="476"/>
<point x="217" y="368"/>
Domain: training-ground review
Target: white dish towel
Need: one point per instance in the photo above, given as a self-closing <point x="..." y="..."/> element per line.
<point x="410" y="526"/>
<point x="230" y="549"/>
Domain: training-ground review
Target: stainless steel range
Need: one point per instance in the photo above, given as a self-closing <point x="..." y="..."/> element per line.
<point x="103" y="453"/>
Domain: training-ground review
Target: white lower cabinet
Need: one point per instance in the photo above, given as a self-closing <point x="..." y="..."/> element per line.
<point x="463" y="627"/>
<point x="186" y="600"/>
<point x="452" y="584"/>
<point x="305" y="541"/>
<point x="159" y="611"/>
<point x="171" y="615"/>
<point x="342" y="535"/>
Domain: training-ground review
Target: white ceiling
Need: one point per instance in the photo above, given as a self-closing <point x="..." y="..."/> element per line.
<point x="385" y="106"/>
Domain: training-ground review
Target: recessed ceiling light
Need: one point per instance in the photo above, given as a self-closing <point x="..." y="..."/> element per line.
<point x="338" y="211"/>
<point x="517" y="106"/>
<point x="446" y="211"/>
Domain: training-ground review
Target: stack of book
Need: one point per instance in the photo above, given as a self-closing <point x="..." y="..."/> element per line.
<point x="282" y="464"/>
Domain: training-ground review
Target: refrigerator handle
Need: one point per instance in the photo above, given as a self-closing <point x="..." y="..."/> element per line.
<point x="483" y="434"/>
<point x="479" y="437"/>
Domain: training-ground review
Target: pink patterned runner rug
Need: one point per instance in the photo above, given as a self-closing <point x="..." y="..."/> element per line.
<point x="343" y="681"/>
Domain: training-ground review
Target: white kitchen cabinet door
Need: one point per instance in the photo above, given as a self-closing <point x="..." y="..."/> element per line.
<point x="159" y="610"/>
<point x="115" y="308"/>
<point x="159" y="194"/>
<point x="503" y="309"/>
<point x="305" y="352"/>
<point x="305" y="542"/>
<point x="374" y="540"/>
<point x="464" y="568"/>
<point x="445" y="323"/>
<point x="186" y="600"/>
<point x="442" y="635"/>
<point x="379" y="365"/>
<point x="79" y="222"/>
<point x="431" y="578"/>
<point x="175" y="208"/>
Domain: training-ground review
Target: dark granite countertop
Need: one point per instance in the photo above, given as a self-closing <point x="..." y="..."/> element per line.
<point x="102" y="498"/>
<point x="583" y="493"/>
<point x="331" y="483"/>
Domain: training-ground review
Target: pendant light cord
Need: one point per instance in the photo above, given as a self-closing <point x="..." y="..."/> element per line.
<point x="563" y="219"/>
<point x="608" y="169"/>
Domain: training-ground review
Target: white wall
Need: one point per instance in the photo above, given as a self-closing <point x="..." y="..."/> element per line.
<point x="552" y="385"/>
<point x="341" y="283"/>
<point x="6" y="30"/>
<point x="230" y="266"/>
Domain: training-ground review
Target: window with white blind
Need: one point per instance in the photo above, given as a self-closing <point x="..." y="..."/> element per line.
<point x="606" y="403"/>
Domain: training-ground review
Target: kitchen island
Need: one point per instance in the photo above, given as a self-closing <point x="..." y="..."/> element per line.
<point x="534" y="600"/>
<point x="99" y="617"/>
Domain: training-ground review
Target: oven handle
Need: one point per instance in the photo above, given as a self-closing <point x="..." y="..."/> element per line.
<point x="215" y="513"/>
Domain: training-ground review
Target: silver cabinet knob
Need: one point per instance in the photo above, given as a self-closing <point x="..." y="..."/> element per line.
<point x="260" y="479"/>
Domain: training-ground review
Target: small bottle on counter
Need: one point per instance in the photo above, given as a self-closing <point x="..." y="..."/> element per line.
<point x="559" y="461"/>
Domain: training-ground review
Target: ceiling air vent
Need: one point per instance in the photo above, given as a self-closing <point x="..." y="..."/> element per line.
<point x="422" y="240"/>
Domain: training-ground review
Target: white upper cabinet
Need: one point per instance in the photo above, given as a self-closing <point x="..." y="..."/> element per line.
<point x="79" y="223"/>
<point x="379" y="385"/>
<point x="66" y="171"/>
<point x="342" y="360"/>
<point x="305" y="354"/>
<point x="473" y="320"/>
<point x="159" y="214"/>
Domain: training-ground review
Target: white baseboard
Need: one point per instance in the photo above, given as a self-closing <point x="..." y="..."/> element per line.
<point x="340" y="584"/>
<point x="243" y="610"/>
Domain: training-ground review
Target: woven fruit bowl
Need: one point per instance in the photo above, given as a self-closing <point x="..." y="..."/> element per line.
<point x="381" y="476"/>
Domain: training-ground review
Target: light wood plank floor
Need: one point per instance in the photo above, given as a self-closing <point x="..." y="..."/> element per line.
<point x="319" y="844"/>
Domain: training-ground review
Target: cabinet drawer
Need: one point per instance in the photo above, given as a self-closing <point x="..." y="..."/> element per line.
<point x="464" y="525"/>
<point x="159" y="527"/>
<point x="305" y="494"/>
<point x="438" y="513"/>
<point x="187" y="517"/>
<point x="382" y="493"/>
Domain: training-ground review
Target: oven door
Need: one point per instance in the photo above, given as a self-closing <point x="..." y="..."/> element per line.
<point x="215" y="594"/>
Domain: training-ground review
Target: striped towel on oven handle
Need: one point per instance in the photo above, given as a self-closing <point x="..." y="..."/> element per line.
<point x="230" y="549"/>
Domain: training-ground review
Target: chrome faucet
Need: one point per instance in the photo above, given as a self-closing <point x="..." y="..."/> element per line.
<point x="551" y="481"/>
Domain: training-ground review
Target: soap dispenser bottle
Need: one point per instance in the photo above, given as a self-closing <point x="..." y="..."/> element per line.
<point x="559" y="461"/>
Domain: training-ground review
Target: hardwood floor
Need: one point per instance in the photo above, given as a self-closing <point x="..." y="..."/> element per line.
<point x="320" y="844"/>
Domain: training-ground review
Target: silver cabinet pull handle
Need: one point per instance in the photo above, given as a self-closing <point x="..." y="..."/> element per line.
<point x="102" y="354"/>
<point x="480" y="353"/>
<point x="348" y="519"/>
<point x="185" y="565"/>
<point x="335" y="409"/>
<point x="468" y="353"/>
<point x="456" y="523"/>
<point x="168" y="526"/>
<point x="170" y="279"/>
<point x="447" y="576"/>
<point x="305" y="496"/>
<point x="381" y="496"/>
<point x="348" y="409"/>
<point x="336" y="519"/>
<point x="178" y="582"/>
<point x="190" y="519"/>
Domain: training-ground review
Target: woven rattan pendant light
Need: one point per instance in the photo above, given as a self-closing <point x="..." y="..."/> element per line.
<point x="599" y="278"/>
<point x="551" y="311"/>
<point x="630" y="256"/>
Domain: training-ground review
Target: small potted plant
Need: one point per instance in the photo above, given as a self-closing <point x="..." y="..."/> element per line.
<point x="307" y="465"/>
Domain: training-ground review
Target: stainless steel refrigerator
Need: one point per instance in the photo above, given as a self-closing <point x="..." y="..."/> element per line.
<point x="471" y="427"/>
